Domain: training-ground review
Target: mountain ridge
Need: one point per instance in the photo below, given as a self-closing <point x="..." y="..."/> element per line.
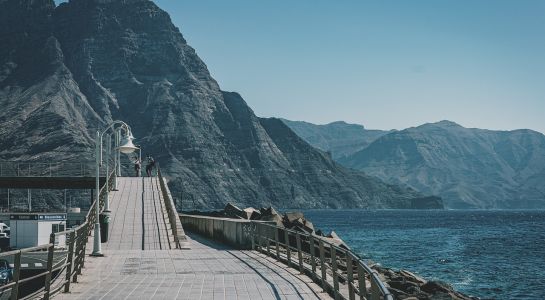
<point x="467" y="167"/>
<point x="107" y="60"/>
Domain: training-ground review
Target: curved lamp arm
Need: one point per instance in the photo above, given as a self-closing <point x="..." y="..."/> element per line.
<point x="123" y="126"/>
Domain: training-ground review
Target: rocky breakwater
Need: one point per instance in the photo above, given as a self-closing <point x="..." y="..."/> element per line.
<point x="403" y="284"/>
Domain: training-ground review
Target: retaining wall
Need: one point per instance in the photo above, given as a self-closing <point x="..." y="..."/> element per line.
<point x="235" y="232"/>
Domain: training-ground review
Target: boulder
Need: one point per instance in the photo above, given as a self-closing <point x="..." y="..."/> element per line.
<point x="290" y="217"/>
<point x="412" y="277"/>
<point x="249" y="212"/>
<point x="336" y="240"/>
<point x="440" y="290"/>
<point x="269" y="211"/>
<point x="232" y="211"/>
<point x="274" y="218"/>
<point x="302" y="225"/>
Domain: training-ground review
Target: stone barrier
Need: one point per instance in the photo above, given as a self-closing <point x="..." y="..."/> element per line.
<point x="235" y="232"/>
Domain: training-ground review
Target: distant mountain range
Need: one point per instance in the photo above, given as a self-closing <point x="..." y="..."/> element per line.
<point x="467" y="167"/>
<point x="68" y="70"/>
<point x="338" y="138"/>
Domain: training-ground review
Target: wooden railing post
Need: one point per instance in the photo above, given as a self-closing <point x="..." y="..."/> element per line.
<point x="16" y="276"/>
<point x="267" y="240"/>
<point x="312" y="255"/>
<point x="375" y="292"/>
<point x="322" y="264"/>
<point x="361" y="282"/>
<point x="252" y="234"/>
<point x="50" y="251"/>
<point x="70" y="260"/>
<point x="277" y="240"/>
<point x="83" y="246"/>
<point x="287" y="242"/>
<point x="350" y="276"/>
<point x="299" y="252"/>
<point x="334" y="271"/>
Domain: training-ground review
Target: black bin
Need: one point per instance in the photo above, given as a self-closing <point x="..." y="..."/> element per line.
<point x="104" y="220"/>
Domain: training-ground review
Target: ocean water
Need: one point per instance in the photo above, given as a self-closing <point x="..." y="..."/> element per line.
<point x="489" y="254"/>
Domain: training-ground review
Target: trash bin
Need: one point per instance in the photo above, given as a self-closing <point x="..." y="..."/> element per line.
<point x="104" y="220"/>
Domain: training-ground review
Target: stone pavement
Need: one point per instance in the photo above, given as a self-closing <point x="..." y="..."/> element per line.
<point x="139" y="220"/>
<point x="207" y="271"/>
<point x="139" y="263"/>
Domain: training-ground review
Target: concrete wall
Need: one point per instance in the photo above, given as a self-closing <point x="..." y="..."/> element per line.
<point x="235" y="232"/>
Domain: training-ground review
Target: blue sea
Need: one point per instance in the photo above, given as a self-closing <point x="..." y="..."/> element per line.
<point x="489" y="254"/>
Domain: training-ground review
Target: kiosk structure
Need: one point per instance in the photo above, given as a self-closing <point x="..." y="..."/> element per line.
<point x="34" y="229"/>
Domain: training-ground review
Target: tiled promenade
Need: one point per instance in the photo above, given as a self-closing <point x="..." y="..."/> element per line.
<point x="208" y="270"/>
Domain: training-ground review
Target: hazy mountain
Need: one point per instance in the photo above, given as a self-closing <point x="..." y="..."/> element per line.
<point x="469" y="168"/>
<point x="339" y="138"/>
<point x="66" y="71"/>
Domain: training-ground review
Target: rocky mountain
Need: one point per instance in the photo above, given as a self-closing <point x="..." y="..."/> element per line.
<point x="67" y="71"/>
<point x="338" y="138"/>
<point x="468" y="168"/>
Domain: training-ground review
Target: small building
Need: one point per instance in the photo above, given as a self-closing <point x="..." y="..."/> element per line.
<point x="34" y="229"/>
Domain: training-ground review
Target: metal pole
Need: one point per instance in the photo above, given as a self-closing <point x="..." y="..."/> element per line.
<point x="97" y="247"/>
<point x="116" y="160"/>
<point x="29" y="199"/>
<point x="108" y="151"/>
<point x="118" y="153"/>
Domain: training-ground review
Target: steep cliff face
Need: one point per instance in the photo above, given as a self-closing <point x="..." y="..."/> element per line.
<point x="43" y="112"/>
<point x="469" y="168"/>
<point x="106" y="60"/>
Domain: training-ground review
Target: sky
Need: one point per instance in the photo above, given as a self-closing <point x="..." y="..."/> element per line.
<point x="384" y="64"/>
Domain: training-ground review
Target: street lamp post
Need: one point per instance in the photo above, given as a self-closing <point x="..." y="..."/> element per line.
<point x="125" y="146"/>
<point x="108" y="152"/>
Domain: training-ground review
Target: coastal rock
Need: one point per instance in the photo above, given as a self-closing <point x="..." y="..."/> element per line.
<point x="412" y="277"/>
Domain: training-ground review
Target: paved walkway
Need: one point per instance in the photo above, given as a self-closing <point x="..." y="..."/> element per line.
<point x="139" y="220"/>
<point x="139" y="266"/>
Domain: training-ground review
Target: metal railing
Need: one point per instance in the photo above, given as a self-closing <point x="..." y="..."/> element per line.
<point x="174" y="220"/>
<point x="339" y="271"/>
<point x="39" y="169"/>
<point x="64" y="261"/>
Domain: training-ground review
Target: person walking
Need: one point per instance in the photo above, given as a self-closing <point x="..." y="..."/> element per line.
<point x="137" y="167"/>
<point x="150" y="165"/>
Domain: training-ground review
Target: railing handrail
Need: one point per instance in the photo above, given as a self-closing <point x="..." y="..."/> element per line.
<point x="172" y="213"/>
<point x="49" y="168"/>
<point x="378" y="288"/>
<point x="72" y="261"/>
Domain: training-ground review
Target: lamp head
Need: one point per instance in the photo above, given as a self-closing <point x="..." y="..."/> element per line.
<point x="126" y="146"/>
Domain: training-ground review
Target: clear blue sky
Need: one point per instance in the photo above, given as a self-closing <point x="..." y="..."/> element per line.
<point x="383" y="64"/>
